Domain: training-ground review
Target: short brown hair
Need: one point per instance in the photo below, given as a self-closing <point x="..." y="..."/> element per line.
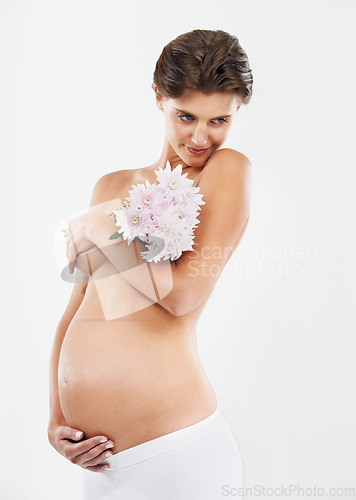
<point x="203" y="60"/>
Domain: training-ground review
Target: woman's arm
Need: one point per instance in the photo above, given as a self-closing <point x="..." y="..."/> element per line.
<point x="76" y="298"/>
<point x="180" y="286"/>
<point x="226" y="184"/>
<point x="56" y="415"/>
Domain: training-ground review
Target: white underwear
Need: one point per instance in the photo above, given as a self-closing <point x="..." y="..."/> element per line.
<point x="199" y="462"/>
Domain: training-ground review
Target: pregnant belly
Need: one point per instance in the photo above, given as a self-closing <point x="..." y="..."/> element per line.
<point x="130" y="383"/>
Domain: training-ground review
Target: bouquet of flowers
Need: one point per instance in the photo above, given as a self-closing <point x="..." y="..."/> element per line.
<point x="163" y="216"/>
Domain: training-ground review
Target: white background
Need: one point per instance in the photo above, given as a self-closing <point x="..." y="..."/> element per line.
<point x="277" y="338"/>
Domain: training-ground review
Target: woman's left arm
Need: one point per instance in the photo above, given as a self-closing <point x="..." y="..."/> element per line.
<point x="181" y="285"/>
<point x="226" y="184"/>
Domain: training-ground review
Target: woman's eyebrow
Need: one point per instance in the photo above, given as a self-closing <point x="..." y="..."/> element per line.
<point x="191" y="114"/>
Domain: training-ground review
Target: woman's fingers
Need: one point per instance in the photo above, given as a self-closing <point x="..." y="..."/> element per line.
<point x="93" y="446"/>
<point x="95" y="456"/>
<point x="71" y="249"/>
<point x="71" y="256"/>
<point x="98" y="468"/>
<point x="67" y="432"/>
<point x="69" y="442"/>
<point x="86" y="453"/>
<point x="76" y="240"/>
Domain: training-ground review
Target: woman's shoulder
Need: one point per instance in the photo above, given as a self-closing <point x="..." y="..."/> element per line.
<point x="227" y="162"/>
<point x="114" y="177"/>
<point x="108" y="186"/>
<point x="230" y="153"/>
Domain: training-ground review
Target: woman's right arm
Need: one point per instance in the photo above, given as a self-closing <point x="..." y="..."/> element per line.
<point x="99" y="196"/>
<point x="87" y="453"/>
<point x="56" y="415"/>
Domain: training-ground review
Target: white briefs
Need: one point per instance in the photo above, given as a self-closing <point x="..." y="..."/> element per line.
<point x="200" y="462"/>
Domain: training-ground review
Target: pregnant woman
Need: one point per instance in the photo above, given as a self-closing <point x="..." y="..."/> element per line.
<point x="130" y="402"/>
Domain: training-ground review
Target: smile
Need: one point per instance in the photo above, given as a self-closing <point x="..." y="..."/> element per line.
<point x="196" y="151"/>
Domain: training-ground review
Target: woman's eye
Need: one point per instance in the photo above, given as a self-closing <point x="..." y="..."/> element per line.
<point x="224" y="120"/>
<point x="184" y="116"/>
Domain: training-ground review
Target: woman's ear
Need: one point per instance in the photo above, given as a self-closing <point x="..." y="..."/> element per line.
<point x="159" y="102"/>
<point x="158" y="98"/>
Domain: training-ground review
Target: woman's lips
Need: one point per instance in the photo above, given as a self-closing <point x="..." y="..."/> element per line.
<point x="196" y="152"/>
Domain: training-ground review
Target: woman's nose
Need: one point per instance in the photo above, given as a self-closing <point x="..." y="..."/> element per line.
<point x="199" y="138"/>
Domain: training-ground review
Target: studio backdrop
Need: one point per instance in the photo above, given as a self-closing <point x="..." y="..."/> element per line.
<point x="277" y="337"/>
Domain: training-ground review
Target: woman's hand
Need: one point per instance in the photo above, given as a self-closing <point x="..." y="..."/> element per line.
<point x="87" y="453"/>
<point x="77" y="235"/>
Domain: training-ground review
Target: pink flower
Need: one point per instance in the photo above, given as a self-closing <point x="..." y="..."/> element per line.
<point x="163" y="216"/>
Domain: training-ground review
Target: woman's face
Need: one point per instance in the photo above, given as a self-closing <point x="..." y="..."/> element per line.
<point x="198" y="121"/>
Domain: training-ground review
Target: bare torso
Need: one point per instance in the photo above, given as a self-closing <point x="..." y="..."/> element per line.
<point x="136" y="377"/>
